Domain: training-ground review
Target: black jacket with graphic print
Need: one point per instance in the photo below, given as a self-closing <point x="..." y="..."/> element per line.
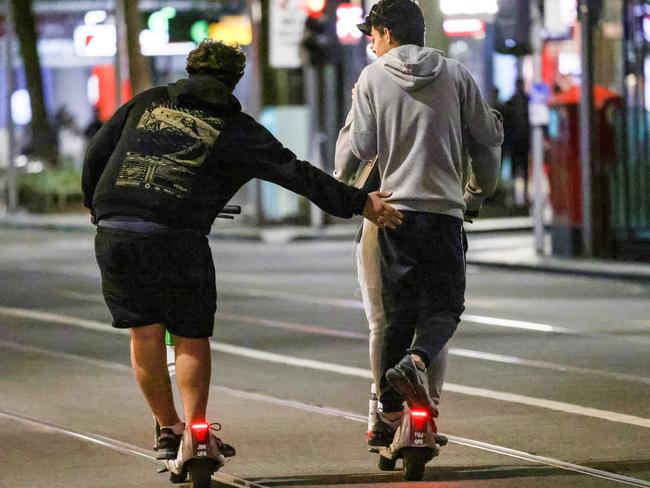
<point x="177" y="154"/>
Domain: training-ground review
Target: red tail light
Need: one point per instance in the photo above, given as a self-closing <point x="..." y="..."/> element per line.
<point x="419" y="419"/>
<point x="200" y="431"/>
<point x="419" y="413"/>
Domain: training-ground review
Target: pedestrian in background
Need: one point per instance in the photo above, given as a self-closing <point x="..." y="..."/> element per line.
<point x="517" y="138"/>
<point x="94" y="125"/>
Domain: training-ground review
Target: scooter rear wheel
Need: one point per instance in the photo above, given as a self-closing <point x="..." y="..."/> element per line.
<point x="414" y="462"/>
<point x="387" y="464"/>
<point x="200" y="471"/>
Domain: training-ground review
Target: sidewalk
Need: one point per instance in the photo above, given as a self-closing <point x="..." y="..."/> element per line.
<point x="499" y="243"/>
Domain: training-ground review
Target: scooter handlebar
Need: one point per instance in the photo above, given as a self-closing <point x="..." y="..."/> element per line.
<point x="228" y="211"/>
<point x="231" y="209"/>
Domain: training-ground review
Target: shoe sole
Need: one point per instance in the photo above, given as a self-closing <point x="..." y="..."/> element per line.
<point x="377" y="444"/>
<point x="166" y="455"/>
<point x="405" y="387"/>
<point x="441" y="440"/>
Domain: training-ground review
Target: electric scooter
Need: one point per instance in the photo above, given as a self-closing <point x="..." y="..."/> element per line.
<point x="199" y="453"/>
<point x="416" y="441"/>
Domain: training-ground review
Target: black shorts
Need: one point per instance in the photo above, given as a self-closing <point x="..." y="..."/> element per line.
<point x="158" y="278"/>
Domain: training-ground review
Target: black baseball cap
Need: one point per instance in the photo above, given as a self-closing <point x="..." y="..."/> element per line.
<point x="403" y="14"/>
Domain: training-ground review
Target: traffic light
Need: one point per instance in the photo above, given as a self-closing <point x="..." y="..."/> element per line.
<point x="512" y="28"/>
<point x="320" y="41"/>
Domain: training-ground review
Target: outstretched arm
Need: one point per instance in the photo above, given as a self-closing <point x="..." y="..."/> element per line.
<point x="270" y="161"/>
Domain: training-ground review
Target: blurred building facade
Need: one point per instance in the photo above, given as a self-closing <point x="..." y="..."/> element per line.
<point x="287" y="83"/>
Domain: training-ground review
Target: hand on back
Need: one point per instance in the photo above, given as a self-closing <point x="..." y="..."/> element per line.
<point x="379" y="212"/>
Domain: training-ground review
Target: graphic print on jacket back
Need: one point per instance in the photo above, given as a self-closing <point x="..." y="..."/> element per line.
<point x="173" y="143"/>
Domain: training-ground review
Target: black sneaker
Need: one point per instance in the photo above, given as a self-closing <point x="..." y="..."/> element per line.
<point x="226" y="450"/>
<point x="167" y="444"/>
<point x="440" y="439"/>
<point x="382" y="433"/>
<point x="412" y="383"/>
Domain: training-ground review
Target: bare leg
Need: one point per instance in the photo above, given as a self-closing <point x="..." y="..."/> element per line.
<point x="149" y="362"/>
<point x="193" y="368"/>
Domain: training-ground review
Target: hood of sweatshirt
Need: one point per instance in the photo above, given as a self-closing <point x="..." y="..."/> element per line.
<point x="203" y="90"/>
<point x="411" y="66"/>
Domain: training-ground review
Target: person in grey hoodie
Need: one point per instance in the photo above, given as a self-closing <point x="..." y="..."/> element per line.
<point x="411" y="108"/>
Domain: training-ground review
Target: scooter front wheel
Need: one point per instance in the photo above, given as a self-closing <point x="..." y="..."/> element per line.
<point x="414" y="463"/>
<point x="200" y="471"/>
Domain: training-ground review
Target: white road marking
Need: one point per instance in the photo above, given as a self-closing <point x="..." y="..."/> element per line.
<point x="347" y="370"/>
<point x="467" y="353"/>
<point x="357" y="304"/>
<point x="137" y="451"/>
<point x="500" y="358"/>
<point x="296" y="297"/>
<point x="516" y="324"/>
<point x="305" y="328"/>
<point x="87" y="297"/>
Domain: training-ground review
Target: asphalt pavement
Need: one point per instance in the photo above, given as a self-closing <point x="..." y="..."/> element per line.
<point x="547" y="384"/>
<point x="511" y="244"/>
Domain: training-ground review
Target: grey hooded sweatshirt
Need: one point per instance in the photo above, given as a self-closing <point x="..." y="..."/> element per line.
<point x="409" y="108"/>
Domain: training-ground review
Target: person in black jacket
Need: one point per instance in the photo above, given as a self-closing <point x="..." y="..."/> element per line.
<point x="155" y="177"/>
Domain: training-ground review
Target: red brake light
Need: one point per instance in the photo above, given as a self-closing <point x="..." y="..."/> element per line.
<point x="419" y="413"/>
<point x="419" y="419"/>
<point x="201" y="431"/>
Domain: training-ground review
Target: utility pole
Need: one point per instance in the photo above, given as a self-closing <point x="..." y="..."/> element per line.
<point x="12" y="193"/>
<point x="537" y="131"/>
<point x="44" y="139"/>
<point x="586" y="121"/>
<point x="258" y="47"/>
<point x="314" y="76"/>
<point x="139" y="68"/>
<point x="255" y="14"/>
<point x="121" y="53"/>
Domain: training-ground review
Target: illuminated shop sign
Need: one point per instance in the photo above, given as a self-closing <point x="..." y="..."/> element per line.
<point x="469" y="7"/>
<point x="559" y="16"/>
<point x="95" y="40"/>
<point x="463" y="27"/>
<point x="348" y="16"/>
<point x="232" y="29"/>
<point x="154" y="41"/>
